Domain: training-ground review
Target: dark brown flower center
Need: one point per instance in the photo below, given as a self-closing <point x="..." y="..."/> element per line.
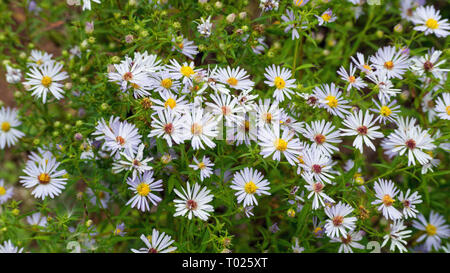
<point x="191" y="205"/>
<point x="362" y="130"/>
<point x="410" y="143"/>
<point x="316" y="168"/>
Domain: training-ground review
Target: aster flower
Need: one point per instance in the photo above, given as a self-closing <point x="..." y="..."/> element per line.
<point x="293" y="24"/>
<point x="363" y="126"/>
<point x="205" y="26"/>
<point x="390" y="61"/>
<point x="409" y="202"/>
<point x="194" y="201"/>
<point x="443" y="106"/>
<point x="316" y="163"/>
<point x="397" y="235"/>
<point x="36" y="219"/>
<point x="44" y="176"/>
<point x="205" y="167"/>
<point x="385" y="192"/>
<point x="46" y="78"/>
<point x="362" y="65"/>
<point x="87" y="4"/>
<point x="386" y="111"/>
<point x="323" y="135"/>
<point x="13" y="75"/>
<point x="236" y="78"/>
<point x="225" y="107"/>
<point x="272" y="142"/>
<point x="268" y="114"/>
<point x="200" y="128"/>
<point x="326" y="17"/>
<point x="384" y="86"/>
<point x="184" y="72"/>
<point x="5" y="192"/>
<point x="339" y="224"/>
<point x="38" y="58"/>
<point x="428" y="106"/>
<point x="9" y="120"/>
<point x="170" y="102"/>
<point x="133" y="162"/>
<point x="119" y="230"/>
<point x="435" y="230"/>
<point x="296" y="248"/>
<point x="350" y="79"/>
<point x="429" y="64"/>
<point x="248" y="183"/>
<point x="143" y="187"/>
<point x="167" y="125"/>
<point x="268" y="5"/>
<point x="156" y="243"/>
<point x="428" y="20"/>
<point x="316" y="189"/>
<point x="8" y="247"/>
<point x="185" y="47"/>
<point x="280" y="78"/>
<point x="349" y="241"/>
<point x="331" y="99"/>
<point x="163" y="82"/>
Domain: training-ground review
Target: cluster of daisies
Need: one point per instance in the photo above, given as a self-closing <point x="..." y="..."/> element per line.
<point x="195" y="106"/>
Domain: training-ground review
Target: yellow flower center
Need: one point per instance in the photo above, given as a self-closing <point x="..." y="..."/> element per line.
<point x="187" y="71"/>
<point x="317" y="230"/>
<point x="39" y="62"/>
<point x="332" y="101"/>
<point x="431" y="230"/>
<point x="181" y="45"/>
<point x="351" y="79"/>
<point x="250" y="187"/>
<point x="232" y="81"/>
<point x="2" y="191"/>
<point x="279" y="83"/>
<point x="431" y="23"/>
<point x="166" y="83"/>
<point x="46" y="81"/>
<point x="447" y="109"/>
<point x="326" y="17"/>
<point x="385" y="111"/>
<point x="6" y="126"/>
<point x="389" y="65"/>
<point x="367" y="67"/>
<point x="44" y="178"/>
<point x="201" y="165"/>
<point x="268" y="117"/>
<point x="143" y="189"/>
<point x="117" y="231"/>
<point x="196" y="129"/>
<point x="280" y="144"/>
<point x="358" y="179"/>
<point x="387" y="200"/>
<point x="170" y="103"/>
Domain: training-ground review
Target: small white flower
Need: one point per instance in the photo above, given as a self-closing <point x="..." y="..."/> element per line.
<point x="429" y="64"/>
<point x="317" y="164"/>
<point x="330" y="98"/>
<point x="204" y="166"/>
<point x="339" y="224"/>
<point x="349" y="241"/>
<point x="236" y="78"/>
<point x="316" y="190"/>
<point x="167" y="125"/>
<point x="435" y="230"/>
<point x="428" y="20"/>
<point x="386" y="111"/>
<point x="409" y="202"/>
<point x="350" y="78"/>
<point x="186" y="47"/>
<point x="8" y="247"/>
<point x="157" y="243"/>
<point x="280" y="78"/>
<point x="390" y="61"/>
<point x="443" y="106"/>
<point x="39" y="58"/>
<point x="133" y="162"/>
<point x="248" y="183"/>
<point x="143" y="187"/>
<point x="194" y="201"/>
<point x="13" y="75"/>
<point x="323" y="135"/>
<point x="205" y="27"/>
<point x="9" y="120"/>
<point x="397" y="234"/>
<point x="385" y="192"/>
<point x="272" y="142"/>
<point x="5" y="192"/>
<point x="200" y="128"/>
<point x="36" y="219"/>
<point x="293" y="23"/>
<point x="326" y="17"/>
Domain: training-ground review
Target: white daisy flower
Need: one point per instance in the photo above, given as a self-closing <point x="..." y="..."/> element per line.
<point x="272" y="143"/>
<point x="246" y="100"/>
<point x="397" y="234"/>
<point x="9" y="135"/>
<point x="338" y="224"/>
<point x="433" y="163"/>
<point x="384" y="86"/>
<point x="13" y="75"/>
<point x="163" y="82"/>
<point x="45" y="177"/>
<point x="391" y="62"/>
<point x="385" y="192"/>
<point x="38" y="58"/>
<point x="319" y="165"/>
<point x="99" y="196"/>
<point x="205" y="167"/>
<point x="36" y="219"/>
<point x="443" y="106"/>
<point x="428" y="20"/>
<point x="413" y="140"/>
<point x="289" y="123"/>
<point x="323" y="135"/>
<point x="244" y="131"/>
<point x="46" y="78"/>
<point x="133" y="162"/>
<point x="268" y="115"/>
<point x="386" y="111"/>
<point x="149" y="62"/>
<point x="429" y="64"/>
<point x="361" y="64"/>
<point x="131" y="74"/>
<point x="170" y="102"/>
<point x="280" y="78"/>
<point x="200" y="128"/>
<point x="349" y="241"/>
<point x="236" y="78"/>
<point x="185" y="47"/>
<point x="363" y="126"/>
<point x="8" y="247"/>
<point x="168" y="126"/>
<point x="326" y="17"/>
<point x="5" y="192"/>
<point x="227" y="108"/>
<point x="157" y="243"/>
<point x="350" y="79"/>
<point x="205" y="26"/>
<point x="193" y="202"/>
<point x="435" y="230"/>
<point x="409" y="202"/>
<point x="407" y="8"/>
<point x="143" y="187"/>
<point x="184" y="72"/>
<point x="331" y="99"/>
<point x="316" y="190"/>
<point x="87" y="4"/>
<point x="293" y="24"/>
<point x="248" y="183"/>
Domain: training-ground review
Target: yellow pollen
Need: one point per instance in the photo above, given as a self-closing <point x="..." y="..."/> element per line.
<point x="46" y="81"/>
<point x="268" y="117"/>
<point x="387" y="200"/>
<point x="332" y="101"/>
<point x="6" y="126"/>
<point x="447" y="109"/>
<point x="196" y="129"/>
<point x="2" y="191"/>
<point x="170" y="103"/>
<point x="431" y="230"/>
<point x="44" y="178"/>
<point x="367" y="67"/>
<point x="166" y="83"/>
<point x="300" y="159"/>
<point x="280" y="144"/>
<point x="352" y="79"/>
<point x="135" y="86"/>
<point x="181" y="45"/>
<point x="201" y="165"/>
<point x="187" y="71"/>
<point x="250" y="187"/>
<point x="232" y="81"/>
<point x="431" y="23"/>
<point x="247" y="125"/>
<point x="326" y="17"/>
<point x="279" y="83"/>
<point x="39" y="62"/>
<point x="143" y="189"/>
<point x="385" y="111"/>
<point x="389" y="65"/>
<point x="317" y="230"/>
